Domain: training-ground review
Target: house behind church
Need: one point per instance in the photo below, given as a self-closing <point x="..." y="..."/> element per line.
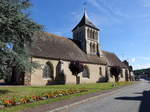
<point x="55" y="53"/>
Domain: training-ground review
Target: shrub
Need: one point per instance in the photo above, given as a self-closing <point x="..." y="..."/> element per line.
<point x="115" y="71"/>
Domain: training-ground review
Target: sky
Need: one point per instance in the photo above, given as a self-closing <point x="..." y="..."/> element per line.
<point x="124" y="24"/>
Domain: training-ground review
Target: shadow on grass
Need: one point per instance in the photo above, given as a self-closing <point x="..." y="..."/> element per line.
<point x="4" y="91"/>
<point x="145" y="100"/>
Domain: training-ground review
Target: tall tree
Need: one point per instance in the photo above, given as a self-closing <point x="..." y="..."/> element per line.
<point x="76" y="67"/>
<point x="17" y="32"/>
<point x="115" y="71"/>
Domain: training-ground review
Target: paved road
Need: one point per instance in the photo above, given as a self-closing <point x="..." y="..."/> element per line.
<point x="135" y="98"/>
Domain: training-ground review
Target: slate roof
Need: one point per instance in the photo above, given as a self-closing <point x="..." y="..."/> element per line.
<point x="113" y="60"/>
<point x="60" y="48"/>
<point x="85" y="21"/>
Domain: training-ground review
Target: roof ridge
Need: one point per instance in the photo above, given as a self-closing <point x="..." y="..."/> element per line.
<point x="108" y="52"/>
<point x="57" y="36"/>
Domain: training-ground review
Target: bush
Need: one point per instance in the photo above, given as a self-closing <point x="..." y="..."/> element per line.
<point x="115" y="71"/>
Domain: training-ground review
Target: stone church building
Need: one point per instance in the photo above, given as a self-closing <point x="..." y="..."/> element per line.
<point x="54" y="53"/>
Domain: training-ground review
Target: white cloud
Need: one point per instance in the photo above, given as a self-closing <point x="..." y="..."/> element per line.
<point x="140" y="62"/>
<point x="141" y="66"/>
<point x="144" y="58"/>
<point x="105" y="9"/>
<point x="116" y="15"/>
<point x="132" y="60"/>
<point x="145" y="3"/>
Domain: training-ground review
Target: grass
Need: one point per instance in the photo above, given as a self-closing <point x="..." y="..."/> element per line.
<point x="18" y="91"/>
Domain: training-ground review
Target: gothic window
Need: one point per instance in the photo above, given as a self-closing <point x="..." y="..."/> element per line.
<point x="100" y="71"/>
<point x="80" y="35"/>
<point x="122" y="74"/>
<point x="93" y="34"/>
<point x="86" y="73"/>
<point x="90" y="47"/>
<point x="126" y="75"/>
<point x="75" y="35"/>
<point x="48" y="70"/>
<point x="83" y="34"/>
<point x="93" y="48"/>
<point x="60" y="76"/>
<point x="96" y="35"/>
<point x="88" y="33"/>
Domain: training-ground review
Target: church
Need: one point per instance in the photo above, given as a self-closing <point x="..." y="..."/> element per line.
<point x="54" y="53"/>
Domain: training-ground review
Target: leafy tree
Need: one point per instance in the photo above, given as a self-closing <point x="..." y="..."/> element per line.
<point x="130" y="68"/>
<point x="143" y="72"/>
<point x="17" y="32"/>
<point x="115" y="71"/>
<point x="76" y="67"/>
<point x="126" y="63"/>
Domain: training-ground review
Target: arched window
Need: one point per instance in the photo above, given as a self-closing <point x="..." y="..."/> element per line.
<point x="122" y="74"/>
<point x="80" y="35"/>
<point x="93" y="34"/>
<point x="88" y="33"/>
<point x="60" y="75"/>
<point x="86" y="73"/>
<point x="126" y="75"/>
<point x="100" y="71"/>
<point x="93" y="47"/>
<point x="48" y="70"/>
<point x="90" y="47"/>
<point x="77" y="35"/>
<point x="96" y="48"/>
<point x="96" y="35"/>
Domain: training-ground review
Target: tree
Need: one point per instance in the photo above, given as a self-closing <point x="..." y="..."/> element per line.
<point x="126" y="63"/>
<point x="115" y="71"/>
<point x="76" y="67"/>
<point x="130" y="68"/>
<point x="17" y="32"/>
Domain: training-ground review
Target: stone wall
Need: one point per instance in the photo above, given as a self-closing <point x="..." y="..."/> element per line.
<point x="94" y="73"/>
<point x="95" y="76"/>
<point x="27" y="79"/>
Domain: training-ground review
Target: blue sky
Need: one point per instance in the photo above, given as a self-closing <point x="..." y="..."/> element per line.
<point x="124" y="24"/>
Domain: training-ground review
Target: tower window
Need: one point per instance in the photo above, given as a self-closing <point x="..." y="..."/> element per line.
<point x="90" y="47"/>
<point x="88" y="33"/>
<point x="93" y="35"/>
<point x="93" y="48"/>
<point x="97" y="35"/>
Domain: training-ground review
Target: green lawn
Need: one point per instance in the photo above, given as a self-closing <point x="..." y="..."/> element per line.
<point x="20" y="91"/>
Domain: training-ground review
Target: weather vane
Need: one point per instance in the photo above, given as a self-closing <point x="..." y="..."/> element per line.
<point x="84" y="5"/>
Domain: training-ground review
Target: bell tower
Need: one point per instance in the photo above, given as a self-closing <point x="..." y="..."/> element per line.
<point x="86" y="34"/>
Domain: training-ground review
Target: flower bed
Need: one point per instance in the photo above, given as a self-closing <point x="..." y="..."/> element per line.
<point x="7" y="102"/>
